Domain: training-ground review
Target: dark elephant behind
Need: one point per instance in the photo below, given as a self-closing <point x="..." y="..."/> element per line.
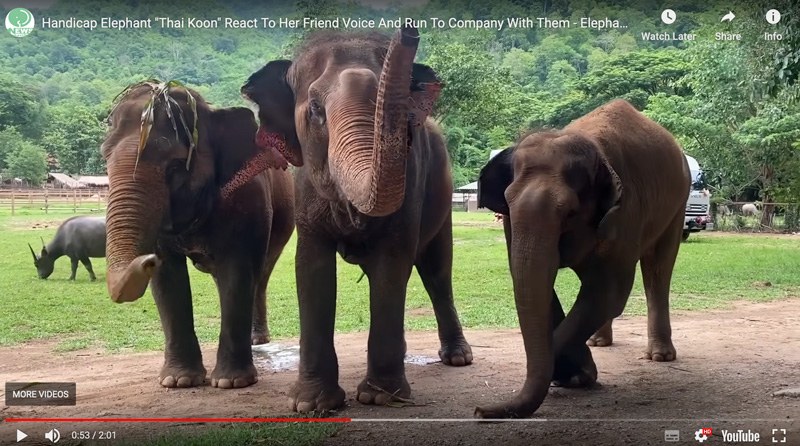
<point x="607" y="191"/>
<point x="374" y="185"/>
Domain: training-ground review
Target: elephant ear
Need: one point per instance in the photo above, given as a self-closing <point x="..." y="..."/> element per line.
<point x="237" y="157"/>
<point x="493" y="181"/>
<point x="609" y="186"/>
<point x="425" y="89"/>
<point x="269" y="89"/>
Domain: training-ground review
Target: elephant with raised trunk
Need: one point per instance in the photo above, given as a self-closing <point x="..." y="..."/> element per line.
<point x="373" y="183"/>
<point x="607" y="191"/>
<point x="188" y="180"/>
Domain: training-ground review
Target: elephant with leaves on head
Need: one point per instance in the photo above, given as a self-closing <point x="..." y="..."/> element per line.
<point x="599" y="196"/>
<point x="373" y="183"/>
<point x="188" y="180"/>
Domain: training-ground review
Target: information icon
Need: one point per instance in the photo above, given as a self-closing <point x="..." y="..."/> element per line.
<point x="773" y="16"/>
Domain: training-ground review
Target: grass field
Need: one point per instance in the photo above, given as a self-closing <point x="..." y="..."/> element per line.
<point x="711" y="272"/>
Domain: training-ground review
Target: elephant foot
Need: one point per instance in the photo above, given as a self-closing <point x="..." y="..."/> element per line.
<point x="598" y="340"/>
<point x="660" y="351"/>
<point x="309" y="396"/>
<point x="174" y="375"/>
<point x="575" y="370"/>
<point x="230" y="377"/>
<point x="602" y="337"/>
<point x="456" y="353"/>
<point x="381" y="391"/>
<point x="259" y="337"/>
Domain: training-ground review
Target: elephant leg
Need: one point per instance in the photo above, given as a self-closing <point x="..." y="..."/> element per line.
<point x="260" y="332"/>
<point x="236" y="282"/>
<point x="183" y="363"/>
<point x="88" y="265"/>
<point x="386" y="348"/>
<point x="74" y="261"/>
<point x="657" y="266"/>
<point x="603" y="294"/>
<point x="602" y="337"/>
<point x="317" y="386"/>
<point x="574" y="366"/>
<point x="435" y="267"/>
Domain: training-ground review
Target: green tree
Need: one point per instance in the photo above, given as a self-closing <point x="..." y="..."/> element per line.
<point x="10" y="141"/>
<point x="19" y="107"/>
<point x="74" y="137"/>
<point x="28" y="162"/>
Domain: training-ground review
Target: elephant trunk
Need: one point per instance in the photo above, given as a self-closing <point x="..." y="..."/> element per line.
<point x="534" y="263"/>
<point x="369" y="142"/>
<point x="132" y="219"/>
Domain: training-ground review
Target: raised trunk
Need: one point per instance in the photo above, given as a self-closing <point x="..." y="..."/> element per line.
<point x="534" y="265"/>
<point x="369" y="144"/>
<point x="134" y="213"/>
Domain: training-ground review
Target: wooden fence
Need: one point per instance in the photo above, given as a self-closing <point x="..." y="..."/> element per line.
<point x="53" y="200"/>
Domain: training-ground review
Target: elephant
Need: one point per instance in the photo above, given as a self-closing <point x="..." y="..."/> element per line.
<point x="600" y="195"/>
<point x="188" y="181"/>
<point x="373" y="183"/>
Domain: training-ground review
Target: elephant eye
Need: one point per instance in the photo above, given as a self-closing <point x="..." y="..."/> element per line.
<point x="316" y="112"/>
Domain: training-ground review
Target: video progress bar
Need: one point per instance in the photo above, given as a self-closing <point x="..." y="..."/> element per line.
<point x="570" y="420"/>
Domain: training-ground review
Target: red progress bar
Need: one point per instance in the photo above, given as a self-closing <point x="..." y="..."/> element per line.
<point x="176" y="419"/>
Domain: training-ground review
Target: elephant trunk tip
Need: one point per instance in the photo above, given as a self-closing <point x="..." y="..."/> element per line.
<point x="129" y="284"/>
<point x="409" y="36"/>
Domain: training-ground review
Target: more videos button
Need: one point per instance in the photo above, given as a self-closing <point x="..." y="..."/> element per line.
<point x="40" y="394"/>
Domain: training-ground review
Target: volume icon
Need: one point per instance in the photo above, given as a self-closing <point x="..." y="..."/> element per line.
<point x="54" y="435"/>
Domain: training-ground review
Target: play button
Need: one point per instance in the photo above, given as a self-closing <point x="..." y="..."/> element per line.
<point x="21" y="435"/>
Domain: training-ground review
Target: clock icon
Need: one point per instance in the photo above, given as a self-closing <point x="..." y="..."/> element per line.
<point x="668" y="16"/>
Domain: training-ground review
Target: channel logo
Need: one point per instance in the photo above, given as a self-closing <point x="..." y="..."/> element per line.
<point x="20" y="22"/>
<point x="702" y="434"/>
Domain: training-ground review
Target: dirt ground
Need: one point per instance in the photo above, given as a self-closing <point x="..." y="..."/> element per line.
<point x="729" y="365"/>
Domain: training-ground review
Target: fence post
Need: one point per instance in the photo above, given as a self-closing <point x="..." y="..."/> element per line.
<point x="74" y="201"/>
<point x="12" y="202"/>
<point x="30" y="197"/>
<point x="45" y="201"/>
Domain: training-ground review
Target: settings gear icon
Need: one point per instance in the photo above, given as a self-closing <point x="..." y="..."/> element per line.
<point x="700" y="436"/>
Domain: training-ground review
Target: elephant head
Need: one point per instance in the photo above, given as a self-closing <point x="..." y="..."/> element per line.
<point x="563" y="200"/>
<point x="170" y="157"/>
<point x="346" y="107"/>
<point x="44" y="263"/>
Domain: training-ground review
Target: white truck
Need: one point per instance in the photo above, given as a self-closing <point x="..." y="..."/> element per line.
<point x="698" y="205"/>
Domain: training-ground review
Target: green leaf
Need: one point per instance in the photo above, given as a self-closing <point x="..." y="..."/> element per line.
<point x="147" y="125"/>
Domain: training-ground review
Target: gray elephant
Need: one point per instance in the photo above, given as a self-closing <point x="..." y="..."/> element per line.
<point x="373" y="184"/>
<point x="607" y="191"/>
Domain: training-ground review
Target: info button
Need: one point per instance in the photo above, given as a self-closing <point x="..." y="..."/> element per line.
<point x="40" y="394"/>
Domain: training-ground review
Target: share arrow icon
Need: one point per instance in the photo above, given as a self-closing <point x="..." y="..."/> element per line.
<point x="20" y="435"/>
<point x="729" y="17"/>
